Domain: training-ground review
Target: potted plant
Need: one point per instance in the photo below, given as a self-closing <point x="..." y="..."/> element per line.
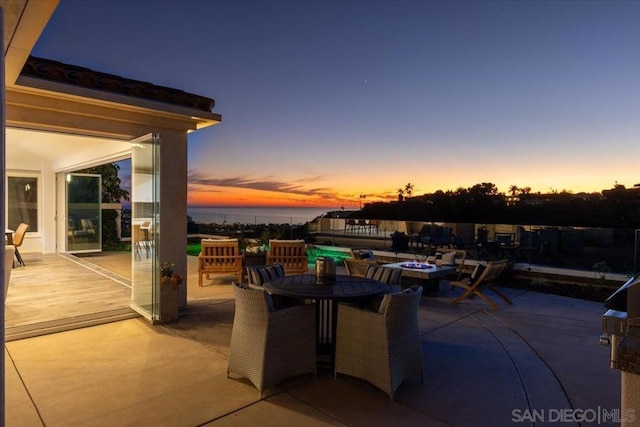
<point x="169" y="284"/>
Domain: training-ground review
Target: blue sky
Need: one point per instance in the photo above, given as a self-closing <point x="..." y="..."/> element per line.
<point x="324" y="101"/>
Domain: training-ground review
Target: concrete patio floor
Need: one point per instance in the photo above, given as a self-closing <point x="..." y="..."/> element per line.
<point x="481" y="368"/>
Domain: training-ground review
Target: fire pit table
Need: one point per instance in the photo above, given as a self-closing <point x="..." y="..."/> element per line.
<point x="429" y="273"/>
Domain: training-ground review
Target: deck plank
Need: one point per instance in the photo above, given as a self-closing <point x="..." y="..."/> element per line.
<point x="53" y="287"/>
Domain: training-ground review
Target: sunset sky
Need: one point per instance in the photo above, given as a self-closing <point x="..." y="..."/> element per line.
<point x="323" y="102"/>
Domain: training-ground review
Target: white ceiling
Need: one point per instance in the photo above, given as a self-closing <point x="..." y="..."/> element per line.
<point x="63" y="151"/>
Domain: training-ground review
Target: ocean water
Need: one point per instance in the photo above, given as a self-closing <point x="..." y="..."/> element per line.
<point x="254" y="215"/>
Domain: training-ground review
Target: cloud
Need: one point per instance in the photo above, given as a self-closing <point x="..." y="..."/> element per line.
<point x="264" y="184"/>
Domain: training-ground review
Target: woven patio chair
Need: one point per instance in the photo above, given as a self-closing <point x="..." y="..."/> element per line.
<point x="258" y="275"/>
<point x="388" y="275"/>
<point x="381" y="347"/>
<point x="358" y="267"/>
<point x="392" y="277"/>
<point x="269" y="345"/>
<point x="481" y="281"/>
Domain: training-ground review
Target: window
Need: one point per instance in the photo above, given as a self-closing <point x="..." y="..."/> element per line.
<point x="22" y="202"/>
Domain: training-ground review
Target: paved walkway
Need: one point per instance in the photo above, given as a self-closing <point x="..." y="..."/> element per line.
<point x="482" y="368"/>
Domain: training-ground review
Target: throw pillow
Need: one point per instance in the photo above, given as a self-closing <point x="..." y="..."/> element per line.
<point x="259" y="275"/>
<point x="364" y="255"/>
<point x="449" y="258"/>
<point x="388" y="275"/>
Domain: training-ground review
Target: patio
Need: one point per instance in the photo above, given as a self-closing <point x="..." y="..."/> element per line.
<point x="481" y="368"/>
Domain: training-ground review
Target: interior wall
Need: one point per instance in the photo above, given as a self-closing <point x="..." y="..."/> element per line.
<point x="44" y="154"/>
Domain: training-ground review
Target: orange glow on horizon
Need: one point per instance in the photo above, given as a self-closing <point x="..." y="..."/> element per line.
<point x="352" y="198"/>
<point x="235" y="197"/>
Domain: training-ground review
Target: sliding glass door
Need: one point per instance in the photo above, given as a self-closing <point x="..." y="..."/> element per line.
<point x="145" y="220"/>
<point x="84" y="216"/>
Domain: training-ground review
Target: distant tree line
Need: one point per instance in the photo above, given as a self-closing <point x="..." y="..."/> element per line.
<point x="483" y="203"/>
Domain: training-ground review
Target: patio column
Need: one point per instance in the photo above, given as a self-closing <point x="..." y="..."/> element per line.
<point x="173" y="204"/>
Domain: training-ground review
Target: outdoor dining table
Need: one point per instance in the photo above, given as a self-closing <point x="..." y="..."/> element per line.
<point x="344" y="288"/>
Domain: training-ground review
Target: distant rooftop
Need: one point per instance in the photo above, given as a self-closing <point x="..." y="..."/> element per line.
<point x="47" y="69"/>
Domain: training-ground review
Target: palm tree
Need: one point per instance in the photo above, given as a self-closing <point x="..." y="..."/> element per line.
<point x="408" y="189"/>
<point x="513" y="190"/>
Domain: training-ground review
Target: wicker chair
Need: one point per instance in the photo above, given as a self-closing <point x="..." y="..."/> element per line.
<point x="384" y="347"/>
<point x="292" y="254"/>
<point x="219" y="256"/>
<point x="257" y="275"/>
<point x="390" y="276"/>
<point x="270" y="345"/>
<point x="357" y="267"/>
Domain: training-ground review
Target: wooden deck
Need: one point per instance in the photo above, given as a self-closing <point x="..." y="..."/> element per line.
<point x="56" y="292"/>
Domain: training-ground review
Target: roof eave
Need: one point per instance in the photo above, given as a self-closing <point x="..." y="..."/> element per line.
<point x="201" y="118"/>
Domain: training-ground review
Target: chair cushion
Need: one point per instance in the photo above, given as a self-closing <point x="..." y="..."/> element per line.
<point x="270" y="304"/>
<point x="241" y="285"/>
<point x="388" y="275"/>
<point x="383" y="304"/>
<point x="477" y="272"/>
<point x="411" y="289"/>
<point x="219" y="240"/>
<point x="449" y="258"/>
<point x="364" y="255"/>
<point x="260" y="275"/>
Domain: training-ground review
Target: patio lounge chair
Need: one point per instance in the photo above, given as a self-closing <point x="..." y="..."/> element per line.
<point x="292" y="254"/>
<point x="381" y="347"/>
<point x="219" y="256"/>
<point x="476" y="284"/>
<point x="265" y="348"/>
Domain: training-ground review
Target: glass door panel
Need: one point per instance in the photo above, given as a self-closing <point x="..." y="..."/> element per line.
<point x="84" y="216"/>
<point x="145" y="199"/>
